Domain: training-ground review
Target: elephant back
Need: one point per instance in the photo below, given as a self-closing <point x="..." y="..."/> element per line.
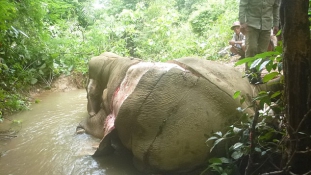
<point x="165" y="121"/>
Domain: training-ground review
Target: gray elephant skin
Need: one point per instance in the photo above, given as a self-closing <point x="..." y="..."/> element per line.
<point x="161" y="112"/>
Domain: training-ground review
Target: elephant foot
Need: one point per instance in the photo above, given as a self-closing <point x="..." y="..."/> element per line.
<point x="80" y="130"/>
<point x="105" y="147"/>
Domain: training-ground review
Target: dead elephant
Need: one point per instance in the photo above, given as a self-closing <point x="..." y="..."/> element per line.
<point x="162" y="112"/>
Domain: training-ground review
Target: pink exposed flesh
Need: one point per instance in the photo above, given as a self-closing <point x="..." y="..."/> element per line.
<point x="132" y="77"/>
<point x="109" y="124"/>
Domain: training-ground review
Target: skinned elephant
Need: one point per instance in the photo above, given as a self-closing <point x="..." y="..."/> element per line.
<point x="162" y="112"/>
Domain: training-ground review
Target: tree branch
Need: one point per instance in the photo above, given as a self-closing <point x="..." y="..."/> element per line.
<point x="303" y="119"/>
<point x="274" y="172"/>
<point x="250" y="163"/>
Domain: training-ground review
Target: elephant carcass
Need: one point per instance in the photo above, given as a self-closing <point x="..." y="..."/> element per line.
<point x="162" y="112"/>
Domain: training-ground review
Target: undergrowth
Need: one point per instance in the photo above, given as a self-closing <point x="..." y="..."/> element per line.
<point x="258" y="138"/>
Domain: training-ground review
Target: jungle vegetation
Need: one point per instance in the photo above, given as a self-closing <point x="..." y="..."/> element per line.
<point x="41" y="40"/>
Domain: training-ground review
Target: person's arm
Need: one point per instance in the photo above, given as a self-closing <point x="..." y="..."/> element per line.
<point x="276" y="16"/>
<point x="242" y="14"/>
<point x="232" y="41"/>
<point x="238" y="42"/>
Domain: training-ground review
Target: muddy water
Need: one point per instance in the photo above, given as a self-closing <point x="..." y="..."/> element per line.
<point x="47" y="143"/>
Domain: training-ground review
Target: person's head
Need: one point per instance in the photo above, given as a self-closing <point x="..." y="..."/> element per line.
<point x="236" y="27"/>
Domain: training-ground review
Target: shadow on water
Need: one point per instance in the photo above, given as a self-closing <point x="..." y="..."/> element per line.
<point x="47" y="143"/>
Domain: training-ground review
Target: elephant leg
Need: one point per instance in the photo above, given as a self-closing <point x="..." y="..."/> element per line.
<point x="93" y="97"/>
<point x="80" y="130"/>
<point x="105" y="147"/>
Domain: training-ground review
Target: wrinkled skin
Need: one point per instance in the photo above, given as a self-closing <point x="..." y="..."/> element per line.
<point x="162" y="112"/>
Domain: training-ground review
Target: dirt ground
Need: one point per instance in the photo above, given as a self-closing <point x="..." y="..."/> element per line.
<point x="62" y="83"/>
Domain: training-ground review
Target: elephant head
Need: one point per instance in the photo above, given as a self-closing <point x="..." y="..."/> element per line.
<point x="162" y="112"/>
<point x="104" y="78"/>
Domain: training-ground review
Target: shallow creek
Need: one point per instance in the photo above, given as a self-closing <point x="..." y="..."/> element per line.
<point x="47" y="142"/>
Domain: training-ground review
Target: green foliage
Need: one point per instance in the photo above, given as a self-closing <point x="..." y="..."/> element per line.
<point x="222" y="166"/>
<point x="212" y="23"/>
<point x="11" y="102"/>
<point x="58" y="10"/>
<point x="271" y="61"/>
<point x="268" y="145"/>
<point x="22" y="54"/>
<point x="8" y="12"/>
<point x="209" y="14"/>
<point x="186" y="7"/>
<point x="206" y="18"/>
<point x="17" y="122"/>
<point x="40" y="40"/>
<point x="157" y="31"/>
<point x="309" y="15"/>
<point x="264" y="141"/>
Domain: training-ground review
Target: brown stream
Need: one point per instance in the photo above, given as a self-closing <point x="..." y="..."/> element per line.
<point x="46" y="143"/>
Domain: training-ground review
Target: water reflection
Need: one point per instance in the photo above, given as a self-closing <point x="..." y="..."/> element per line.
<point x="47" y="143"/>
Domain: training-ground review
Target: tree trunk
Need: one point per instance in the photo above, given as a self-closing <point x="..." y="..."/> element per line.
<point x="297" y="74"/>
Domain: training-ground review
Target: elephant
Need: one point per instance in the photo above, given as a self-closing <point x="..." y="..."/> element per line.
<point x="162" y="112"/>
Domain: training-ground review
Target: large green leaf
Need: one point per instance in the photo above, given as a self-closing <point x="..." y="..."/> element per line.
<point x="34" y="81"/>
<point x="270" y="76"/>
<point x="237" y="154"/>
